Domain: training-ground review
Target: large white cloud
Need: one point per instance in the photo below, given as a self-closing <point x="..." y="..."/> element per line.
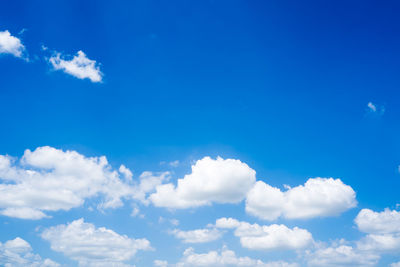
<point x="385" y="222"/>
<point x="212" y="180"/>
<point x="49" y="179"/>
<point x="198" y="235"/>
<point x="11" y="45"/>
<point x="92" y="246"/>
<point x="382" y="228"/>
<point x="267" y="237"/>
<point x="318" y="197"/>
<point x="80" y="66"/>
<point x="18" y="253"/>
<point x="222" y="258"/>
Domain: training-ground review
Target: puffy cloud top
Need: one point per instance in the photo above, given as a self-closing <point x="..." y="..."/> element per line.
<point x="49" y="179"/>
<point x="92" y="246"/>
<point x="10" y="44"/>
<point x="80" y="66"/>
<point x="212" y="180"/>
<point x="318" y="197"/>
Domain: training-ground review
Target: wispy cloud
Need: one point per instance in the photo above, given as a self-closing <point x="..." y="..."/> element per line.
<point x="375" y="109"/>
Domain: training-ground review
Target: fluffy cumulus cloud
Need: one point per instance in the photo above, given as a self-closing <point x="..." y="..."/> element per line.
<point x="92" y="246"/>
<point x="18" y="253"/>
<point x="395" y="264"/>
<point x="79" y="66"/>
<point x="318" y="197"/>
<point x="222" y="258"/>
<point x="341" y="254"/>
<point x="382" y="228"/>
<point x="49" y="179"/>
<point x="11" y="45"/>
<point x="267" y="237"/>
<point x="211" y="180"/>
<point x="198" y="235"/>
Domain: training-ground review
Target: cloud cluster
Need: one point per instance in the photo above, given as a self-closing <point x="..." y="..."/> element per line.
<point x="318" y="197"/>
<point x="340" y="254"/>
<point x="11" y="45"/>
<point x="49" y="179"/>
<point x="267" y="237"/>
<point x="222" y="258"/>
<point x="382" y="229"/>
<point x="18" y="253"/>
<point x="92" y="246"/>
<point x="79" y="66"/>
<point x="211" y="181"/>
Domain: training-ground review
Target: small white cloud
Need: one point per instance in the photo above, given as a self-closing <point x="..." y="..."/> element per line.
<point x="160" y="263"/>
<point x="174" y="163"/>
<point x="395" y="264"/>
<point x="219" y="180"/>
<point x="18" y="253"/>
<point x="11" y="45"/>
<point x="80" y="66"/>
<point x="375" y="109"/>
<point x="318" y="197"/>
<point x="92" y="246"/>
<point x="267" y="237"/>
<point x="197" y="236"/>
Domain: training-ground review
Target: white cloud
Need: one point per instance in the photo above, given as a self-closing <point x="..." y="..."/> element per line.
<point x="80" y="66"/>
<point x="319" y="197"/>
<point x="148" y="181"/>
<point x="382" y="228"/>
<point x="267" y="237"/>
<point x="160" y="263"/>
<point x="395" y="264"/>
<point x="339" y="255"/>
<point x="371" y="106"/>
<point x="49" y="179"/>
<point x="11" y="45"/>
<point x="18" y="253"/>
<point x="224" y="257"/>
<point x="375" y="109"/>
<point x="197" y="236"/>
<point x="219" y="180"/>
<point x="385" y="222"/>
<point x="92" y="246"/>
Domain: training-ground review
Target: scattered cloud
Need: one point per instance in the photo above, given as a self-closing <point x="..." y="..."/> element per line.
<point x="212" y="180"/>
<point x="221" y="258"/>
<point x="79" y="66"/>
<point x="267" y="237"/>
<point x="198" y="235"/>
<point x="18" y="253"/>
<point x="49" y="179"/>
<point x="92" y="246"/>
<point x="395" y="264"/>
<point x="340" y="254"/>
<point x="382" y="228"/>
<point x="318" y="197"/>
<point x="11" y="45"/>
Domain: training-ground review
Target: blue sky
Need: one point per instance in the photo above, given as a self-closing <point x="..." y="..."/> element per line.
<point x="279" y="119"/>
